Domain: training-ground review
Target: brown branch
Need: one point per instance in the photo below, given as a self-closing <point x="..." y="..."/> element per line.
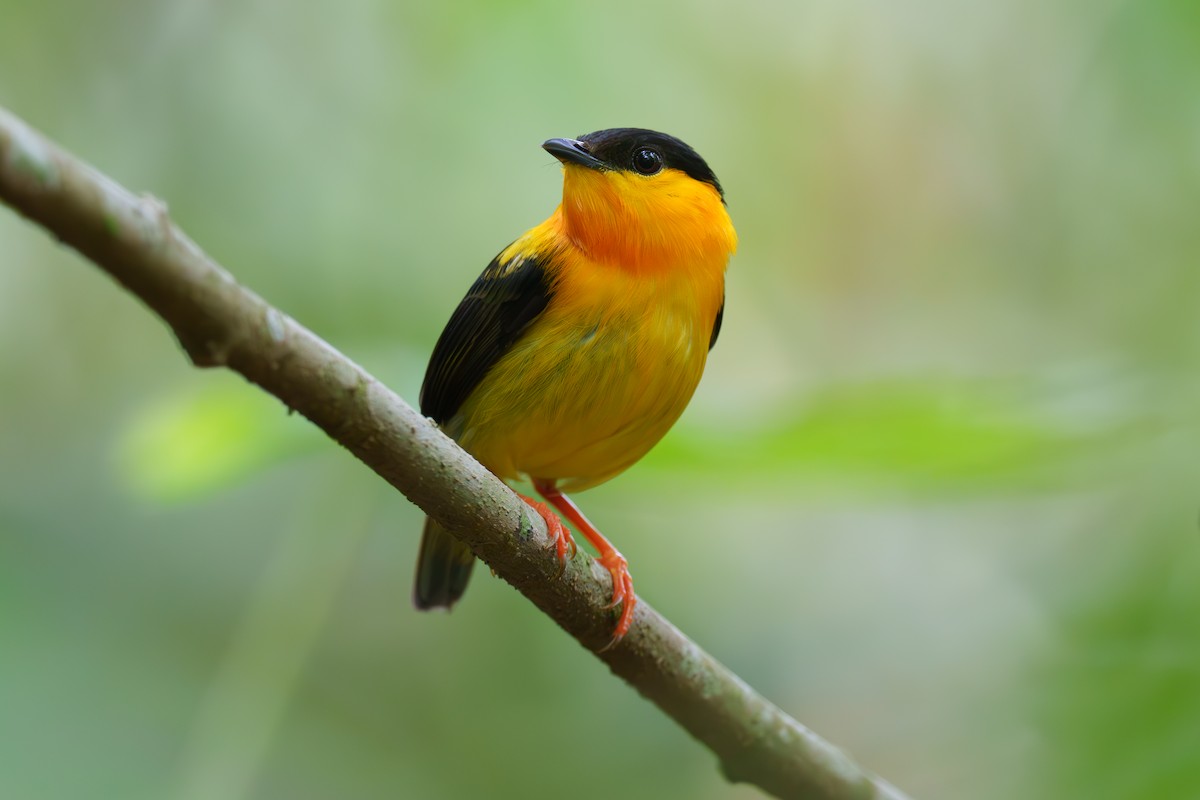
<point x="220" y="323"/>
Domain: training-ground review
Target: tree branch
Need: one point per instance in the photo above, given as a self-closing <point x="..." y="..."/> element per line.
<point x="220" y="323"/>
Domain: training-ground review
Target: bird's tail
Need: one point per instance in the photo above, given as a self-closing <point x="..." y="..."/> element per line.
<point x="443" y="568"/>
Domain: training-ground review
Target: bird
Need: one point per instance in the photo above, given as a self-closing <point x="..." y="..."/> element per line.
<point x="583" y="340"/>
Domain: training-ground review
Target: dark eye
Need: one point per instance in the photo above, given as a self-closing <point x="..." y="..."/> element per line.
<point x="647" y="161"/>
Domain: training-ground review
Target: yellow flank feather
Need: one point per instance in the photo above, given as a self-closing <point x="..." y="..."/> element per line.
<point x="637" y="268"/>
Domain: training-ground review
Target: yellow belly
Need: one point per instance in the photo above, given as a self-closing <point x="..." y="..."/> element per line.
<point x="597" y="380"/>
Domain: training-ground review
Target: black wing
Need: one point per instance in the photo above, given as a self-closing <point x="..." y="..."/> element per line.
<point x="712" y="339"/>
<point x="501" y="304"/>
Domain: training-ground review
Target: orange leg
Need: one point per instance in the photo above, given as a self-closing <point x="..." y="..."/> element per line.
<point x="559" y="535"/>
<point x="610" y="558"/>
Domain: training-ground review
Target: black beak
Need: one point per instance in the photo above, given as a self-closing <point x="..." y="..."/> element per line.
<point x="572" y="151"/>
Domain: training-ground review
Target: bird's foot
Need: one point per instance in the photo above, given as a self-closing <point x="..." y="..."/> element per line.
<point x="560" y="536"/>
<point x="623" y="595"/>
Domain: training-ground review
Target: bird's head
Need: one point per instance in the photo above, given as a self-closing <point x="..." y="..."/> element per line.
<point x="642" y="200"/>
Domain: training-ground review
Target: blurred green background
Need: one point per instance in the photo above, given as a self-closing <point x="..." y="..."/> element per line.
<point x="937" y="496"/>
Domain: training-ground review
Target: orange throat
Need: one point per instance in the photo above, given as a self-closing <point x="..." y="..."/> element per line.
<point x="658" y="224"/>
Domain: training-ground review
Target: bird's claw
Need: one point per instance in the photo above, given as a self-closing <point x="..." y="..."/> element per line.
<point x="560" y="537"/>
<point x="618" y="568"/>
<point x="623" y="594"/>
